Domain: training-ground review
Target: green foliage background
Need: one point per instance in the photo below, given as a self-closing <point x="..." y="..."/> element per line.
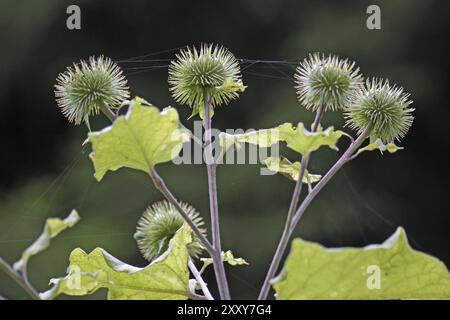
<point x="46" y="172"/>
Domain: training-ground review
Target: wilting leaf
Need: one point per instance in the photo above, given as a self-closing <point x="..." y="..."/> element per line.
<point x="226" y="257"/>
<point x="52" y="228"/>
<point x="263" y="138"/>
<point x="290" y="170"/>
<point x="392" y="270"/>
<point x="141" y="139"/>
<point x="303" y="141"/>
<point x="379" y="145"/>
<point x="165" y="278"/>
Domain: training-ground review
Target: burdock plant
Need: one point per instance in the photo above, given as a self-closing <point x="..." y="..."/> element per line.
<point x="171" y="235"/>
<point x="210" y="74"/>
<point x="326" y="81"/>
<point x="382" y="109"/>
<point x="158" y="225"/>
<point x="204" y="79"/>
<point x="89" y="87"/>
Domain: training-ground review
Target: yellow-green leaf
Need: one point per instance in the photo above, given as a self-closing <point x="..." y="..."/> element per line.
<point x="226" y="257"/>
<point x="298" y="139"/>
<point x="165" y="278"/>
<point x="139" y="140"/>
<point x="303" y="141"/>
<point x="263" y="138"/>
<point x="52" y="228"/>
<point x="379" y="145"/>
<point x="201" y="112"/>
<point x="391" y="270"/>
<point x="290" y="170"/>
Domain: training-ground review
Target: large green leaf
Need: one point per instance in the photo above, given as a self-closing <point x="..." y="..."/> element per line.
<point x="140" y="139"/>
<point x="298" y="139"/>
<point x="314" y="272"/>
<point x="291" y="170"/>
<point x="165" y="278"/>
<point x="52" y="228"/>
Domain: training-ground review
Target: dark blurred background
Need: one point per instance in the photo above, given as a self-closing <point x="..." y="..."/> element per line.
<point x="45" y="171"/>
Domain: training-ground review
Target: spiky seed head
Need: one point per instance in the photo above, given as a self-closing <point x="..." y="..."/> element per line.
<point x="326" y="81"/>
<point x="84" y="87"/>
<point x="212" y="70"/>
<point x="385" y="107"/>
<point x="158" y="225"/>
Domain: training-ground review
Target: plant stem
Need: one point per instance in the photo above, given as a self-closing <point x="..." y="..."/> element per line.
<point x="200" y="280"/>
<point x="211" y="168"/>
<point x="327" y="177"/>
<point x="292" y="208"/>
<point x="303" y="167"/>
<point x="25" y="276"/>
<point x="25" y="285"/>
<point x="161" y="186"/>
<point x="308" y="199"/>
<point x="216" y="254"/>
<point x="107" y="112"/>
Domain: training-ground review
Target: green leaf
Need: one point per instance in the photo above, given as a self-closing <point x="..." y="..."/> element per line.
<point x="195" y="111"/>
<point x="315" y="272"/>
<point x="229" y="86"/>
<point x="52" y="228"/>
<point x="263" y="138"/>
<point x="218" y="96"/>
<point x="165" y="278"/>
<point x="139" y="140"/>
<point x="290" y="170"/>
<point x="303" y="141"/>
<point x="298" y="139"/>
<point x="201" y="112"/>
<point x="226" y="257"/>
<point x="379" y="145"/>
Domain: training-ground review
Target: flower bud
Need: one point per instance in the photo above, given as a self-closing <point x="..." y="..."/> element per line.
<point x="212" y="71"/>
<point x="384" y="107"/>
<point x="158" y="225"/>
<point x="326" y="81"/>
<point x="86" y="87"/>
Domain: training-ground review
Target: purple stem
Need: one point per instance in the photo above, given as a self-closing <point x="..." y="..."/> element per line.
<point x="211" y="167"/>
<point x="293" y="206"/>
<point x="307" y="201"/>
